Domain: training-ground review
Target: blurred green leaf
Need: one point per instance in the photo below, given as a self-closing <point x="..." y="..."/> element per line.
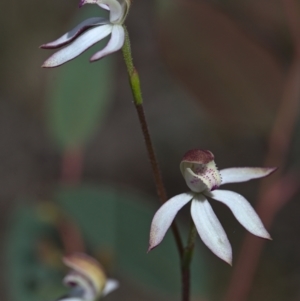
<point x="110" y="220"/>
<point x="79" y="93"/>
<point x="26" y="277"/>
<point x="122" y="221"/>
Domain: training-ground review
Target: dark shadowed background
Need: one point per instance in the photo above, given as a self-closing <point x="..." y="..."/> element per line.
<point x="213" y="74"/>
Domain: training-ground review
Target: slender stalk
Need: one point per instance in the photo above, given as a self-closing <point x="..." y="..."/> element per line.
<point x="156" y="171"/>
<point x="186" y="262"/>
<point x="70" y="235"/>
<point x="138" y="103"/>
<point x="72" y="163"/>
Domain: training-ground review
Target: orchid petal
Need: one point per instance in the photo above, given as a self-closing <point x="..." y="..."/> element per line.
<point x="104" y="6"/>
<point x="164" y="217"/>
<point x="243" y="174"/>
<point x="75" y="32"/>
<point x="82" y="2"/>
<point x="81" y="44"/>
<point x="116" y="10"/>
<point x="115" y="43"/>
<point x="210" y="229"/>
<point x="110" y="286"/>
<point x="242" y="210"/>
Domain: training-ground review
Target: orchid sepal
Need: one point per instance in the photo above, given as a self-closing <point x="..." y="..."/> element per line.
<point x="164" y="217"/>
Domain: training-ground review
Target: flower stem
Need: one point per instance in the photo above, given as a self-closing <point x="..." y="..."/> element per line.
<point x="72" y="163"/>
<point x="186" y="262"/>
<point x="138" y="103"/>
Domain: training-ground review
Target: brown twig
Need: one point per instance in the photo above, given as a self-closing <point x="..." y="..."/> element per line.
<point x="156" y="171"/>
<point x="186" y="262"/>
<point x="276" y="190"/>
<point x="72" y="164"/>
<point x="70" y="235"/>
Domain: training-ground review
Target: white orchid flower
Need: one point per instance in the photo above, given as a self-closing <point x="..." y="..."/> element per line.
<point x="86" y="279"/>
<point x="89" y="32"/>
<point x="203" y="178"/>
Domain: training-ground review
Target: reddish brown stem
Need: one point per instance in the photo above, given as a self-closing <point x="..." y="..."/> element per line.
<point x="269" y="202"/>
<point x="138" y="102"/>
<point x="72" y="163"/>
<point x="185" y="274"/>
<point x="70" y="235"/>
<point x="156" y="171"/>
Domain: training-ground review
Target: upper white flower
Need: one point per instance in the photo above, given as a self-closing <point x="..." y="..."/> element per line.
<point x="89" y="32"/>
<point x="203" y="178"/>
<point x="86" y="279"/>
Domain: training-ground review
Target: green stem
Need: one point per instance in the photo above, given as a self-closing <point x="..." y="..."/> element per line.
<point x="186" y="262"/>
<point x="189" y="249"/>
<point x="138" y="103"/>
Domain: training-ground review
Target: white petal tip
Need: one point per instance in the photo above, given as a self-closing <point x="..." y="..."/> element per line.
<point x="110" y="286"/>
<point x="96" y="57"/>
<point x="266" y="236"/>
<point x="45" y="46"/>
<point x="262" y="233"/>
<point x="48" y="65"/>
<point x="227" y="259"/>
<point x="152" y="246"/>
<point x="52" y="63"/>
<point x="270" y="170"/>
<point x="92" y="59"/>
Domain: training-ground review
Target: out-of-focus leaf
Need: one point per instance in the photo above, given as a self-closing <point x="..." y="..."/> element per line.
<point x="26" y="277"/>
<point x="94" y="211"/>
<point x="237" y="80"/>
<point x="121" y="222"/>
<point x="109" y="220"/>
<point x="79" y="93"/>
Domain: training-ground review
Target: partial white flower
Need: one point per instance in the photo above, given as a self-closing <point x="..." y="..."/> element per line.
<point x="203" y="178"/>
<point x="86" y="279"/>
<point x="91" y="31"/>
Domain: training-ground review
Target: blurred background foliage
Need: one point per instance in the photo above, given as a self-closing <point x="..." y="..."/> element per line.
<point x="213" y="75"/>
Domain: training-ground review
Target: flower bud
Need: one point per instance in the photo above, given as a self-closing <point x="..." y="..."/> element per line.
<point x="86" y="276"/>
